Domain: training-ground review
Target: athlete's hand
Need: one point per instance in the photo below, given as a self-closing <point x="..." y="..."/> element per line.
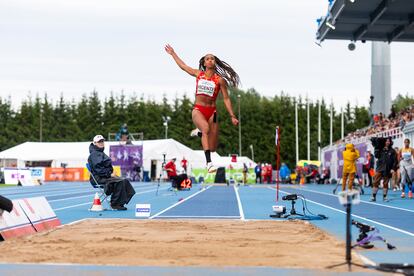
<point x="234" y="121"/>
<point x="169" y="49"/>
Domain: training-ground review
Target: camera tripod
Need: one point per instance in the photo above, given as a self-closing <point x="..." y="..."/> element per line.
<point x="162" y="175"/>
<point x="348" y="247"/>
<point x="293" y="210"/>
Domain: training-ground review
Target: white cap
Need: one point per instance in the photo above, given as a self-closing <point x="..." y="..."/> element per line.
<point x="98" y="138"/>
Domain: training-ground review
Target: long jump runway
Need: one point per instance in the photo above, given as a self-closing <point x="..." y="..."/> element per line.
<point x="71" y="201"/>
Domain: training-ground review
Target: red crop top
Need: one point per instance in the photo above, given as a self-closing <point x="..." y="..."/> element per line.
<point x="209" y="87"/>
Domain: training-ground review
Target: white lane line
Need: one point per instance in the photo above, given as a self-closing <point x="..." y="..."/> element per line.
<point x="236" y="190"/>
<point x="71" y="206"/>
<point x="68" y="198"/>
<point x="75" y="222"/>
<point x="68" y="192"/>
<point x="179" y="202"/>
<point x="356" y="216"/>
<point x="235" y="217"/>
<point x="365" y="260"/>
<point x="48" y="192"/>
<point x="65" y="190"/>
<point x="367" y="202"/>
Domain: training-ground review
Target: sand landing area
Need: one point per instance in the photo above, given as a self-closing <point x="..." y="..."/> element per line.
<point x="290" y="244"/>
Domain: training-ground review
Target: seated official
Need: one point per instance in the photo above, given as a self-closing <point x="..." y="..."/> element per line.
<point x="172" y="172"/>
<point x="120" y="189"/>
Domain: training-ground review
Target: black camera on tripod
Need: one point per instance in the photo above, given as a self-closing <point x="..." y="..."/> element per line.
<point x="290" y="197"/>
<point x="364" y="229"/>
<point x="364" y="240"/>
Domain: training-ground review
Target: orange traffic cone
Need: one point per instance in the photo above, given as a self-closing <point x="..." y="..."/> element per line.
<point x="302" y="180"/>
<point x="96" y="206"/>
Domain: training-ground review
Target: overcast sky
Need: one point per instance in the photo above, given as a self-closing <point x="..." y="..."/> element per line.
<point x="73" y="47"/>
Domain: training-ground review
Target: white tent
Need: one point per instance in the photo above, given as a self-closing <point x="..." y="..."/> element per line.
<point x="75" y="154"/>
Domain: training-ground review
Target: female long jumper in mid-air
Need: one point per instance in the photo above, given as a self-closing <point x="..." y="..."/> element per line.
<point x="211" y="78"/>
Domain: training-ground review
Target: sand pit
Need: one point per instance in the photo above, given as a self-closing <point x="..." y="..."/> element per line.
<point x="293" y="244"/>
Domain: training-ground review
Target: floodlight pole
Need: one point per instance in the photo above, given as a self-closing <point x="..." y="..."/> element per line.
<point x="240" y="142"/>
<point x="166" y="120"/>
<point x="41" y="125"/>
<point x="331" y="127"/>
<point x="277" y="142"/>
<point x="319" y="131"/>
<point x="251" y="148"/>
<point x="296" y="132"/>
<point x="342" y="124"/>
<point x="308" y="127"/>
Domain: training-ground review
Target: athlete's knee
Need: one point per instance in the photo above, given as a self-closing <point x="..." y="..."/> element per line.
<point x="205" y="130"/>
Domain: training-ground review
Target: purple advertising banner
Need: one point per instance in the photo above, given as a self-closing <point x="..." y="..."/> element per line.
<point x="362" y="148"/>
<point x="129" y="158"/>
<point x="340" y="159"/>
<point x="327" y="159"/>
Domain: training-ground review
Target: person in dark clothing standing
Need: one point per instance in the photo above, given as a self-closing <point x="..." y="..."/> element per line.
<point x="368" y="167"/>
<point x="120" y="189"/>
<point x="387" y="164"/>
<point x="258" y="172"/>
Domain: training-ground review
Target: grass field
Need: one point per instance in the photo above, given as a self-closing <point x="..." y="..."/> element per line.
<point x="7" y="185"/>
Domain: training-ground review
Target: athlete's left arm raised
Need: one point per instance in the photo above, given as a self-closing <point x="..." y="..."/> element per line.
<point x="227" y="101"/>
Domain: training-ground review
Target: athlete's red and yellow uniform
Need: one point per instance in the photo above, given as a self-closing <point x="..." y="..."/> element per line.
<point x="208" y="87"/>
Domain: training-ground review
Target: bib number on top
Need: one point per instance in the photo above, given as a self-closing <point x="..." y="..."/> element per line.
<point x="206" y="87"/>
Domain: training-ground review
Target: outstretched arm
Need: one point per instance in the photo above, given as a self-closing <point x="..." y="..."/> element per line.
<point x="180" y="63"/>
<point x="227" y="102"/>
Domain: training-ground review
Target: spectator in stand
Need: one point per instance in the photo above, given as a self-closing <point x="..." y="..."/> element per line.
<point x="285" y="173"/>
<point x="402" y="121"/>
<point x="380" y="123"/>
<point x="184" y="165"/>
<point x="264" y="172"/>
<point x="312" y="175"/>
<point x="245" y="172"/>
<point x="258" y="172"/>
<point x="376" y="119"/>
<point x="269" y="173"/>
<point x="325" y="177"/>
<point x="396" y="174"/>
<point x="368" y="168"/>
<point x="393" y="114"/>
<point x="299" y="174"/>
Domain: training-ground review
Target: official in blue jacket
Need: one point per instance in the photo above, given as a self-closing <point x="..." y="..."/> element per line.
<point x="120" y="189"/>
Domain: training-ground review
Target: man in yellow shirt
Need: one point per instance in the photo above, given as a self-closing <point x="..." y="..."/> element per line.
<point x="350" y="156"/>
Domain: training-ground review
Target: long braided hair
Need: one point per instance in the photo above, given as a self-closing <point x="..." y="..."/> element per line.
<point x="224" y="70"/>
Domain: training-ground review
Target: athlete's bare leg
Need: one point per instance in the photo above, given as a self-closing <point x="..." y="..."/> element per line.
<point x="214" y="132"/>
<point x="202" y="124"/>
